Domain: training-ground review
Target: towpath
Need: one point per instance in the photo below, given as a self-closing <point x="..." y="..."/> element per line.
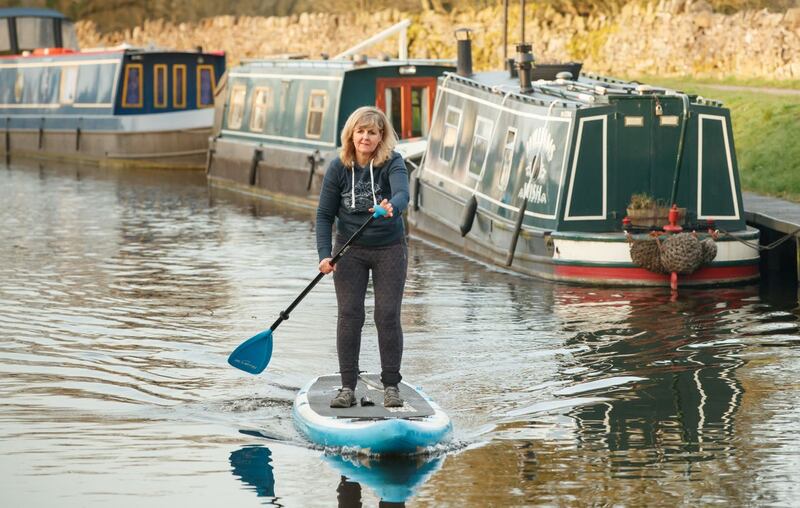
<point x="775" y="213"/>
<point x="759" y="89"/>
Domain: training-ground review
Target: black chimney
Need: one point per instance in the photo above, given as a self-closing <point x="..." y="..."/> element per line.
<point x="464" y="62"/>
<point x="525" y="66"/>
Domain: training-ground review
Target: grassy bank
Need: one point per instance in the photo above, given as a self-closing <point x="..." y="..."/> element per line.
<point x="765" y="128"/>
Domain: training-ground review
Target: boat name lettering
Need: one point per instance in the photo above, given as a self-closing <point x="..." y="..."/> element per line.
<point x="534" y="192"/>
<point x="541" y="142"/>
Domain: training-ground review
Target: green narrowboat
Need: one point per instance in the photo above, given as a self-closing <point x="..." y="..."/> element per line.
<point x="548" y="171"/>
<point x="278" y="122"/>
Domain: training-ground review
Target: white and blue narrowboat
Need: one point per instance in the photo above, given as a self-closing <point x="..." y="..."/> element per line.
<point x="281" y="119"/>
<point x="538" y="169"/>
<point x="124" y="105"/>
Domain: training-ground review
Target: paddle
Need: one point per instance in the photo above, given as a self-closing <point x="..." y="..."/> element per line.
<point x="254" y="354"/>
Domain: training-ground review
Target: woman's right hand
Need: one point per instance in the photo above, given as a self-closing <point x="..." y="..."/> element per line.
<point x="326" y="267"/>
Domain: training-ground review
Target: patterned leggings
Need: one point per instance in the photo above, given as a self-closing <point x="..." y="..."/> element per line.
<point x="388" y="265"/>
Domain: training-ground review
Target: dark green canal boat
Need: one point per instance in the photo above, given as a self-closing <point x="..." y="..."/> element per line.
<point x="540" y="169"/>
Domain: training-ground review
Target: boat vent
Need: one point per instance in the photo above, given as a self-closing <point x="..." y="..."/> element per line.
<point x="464" y="62"/>
<point x="524" y="66"/>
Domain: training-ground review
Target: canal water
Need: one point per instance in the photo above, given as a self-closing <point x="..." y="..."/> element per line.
<point x="123" y="292"/>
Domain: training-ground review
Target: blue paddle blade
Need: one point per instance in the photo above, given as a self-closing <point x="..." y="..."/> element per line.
<point x="254" y="354"/>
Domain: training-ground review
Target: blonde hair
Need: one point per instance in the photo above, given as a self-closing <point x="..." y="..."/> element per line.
<point x="367" y="116"/>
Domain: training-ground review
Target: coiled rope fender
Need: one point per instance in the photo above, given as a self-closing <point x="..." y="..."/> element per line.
<point x="646" y="254"/>
<point x="682" y="253"/>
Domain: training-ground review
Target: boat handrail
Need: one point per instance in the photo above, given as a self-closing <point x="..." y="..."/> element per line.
<point x="527" y="97"/>
<point x="339" y="64"/>
<point x="402" y="43"/>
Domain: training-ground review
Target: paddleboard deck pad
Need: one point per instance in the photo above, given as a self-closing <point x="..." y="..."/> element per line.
<point x="370" y="428"/>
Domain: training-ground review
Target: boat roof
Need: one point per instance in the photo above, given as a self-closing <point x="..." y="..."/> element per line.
<point x="279" y="65"/>
<point x="29" y="12"/>
<point x="587" y="90"/>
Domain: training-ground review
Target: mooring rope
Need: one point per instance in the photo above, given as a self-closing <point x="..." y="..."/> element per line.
<point x="760" y="247"/>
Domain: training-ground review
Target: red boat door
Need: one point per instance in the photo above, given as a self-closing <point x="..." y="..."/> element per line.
<point x="408" y="102"/>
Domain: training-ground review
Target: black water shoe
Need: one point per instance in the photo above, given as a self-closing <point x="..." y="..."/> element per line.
<point x="391" y="397"/>
<point x="345" y="398"/>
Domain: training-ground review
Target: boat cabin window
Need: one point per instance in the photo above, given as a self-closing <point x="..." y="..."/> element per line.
<point x="5" y="37"/>
<point x="69" y="39"/>
<point x="508" y="158"/>
<point x="420" y="116"/>
<point x="262" y="97"/>
<point x="407" y="103"/>
<point x="160" y="85"/>
<point x="394" y="108"/>
<point x="179" y="86"/>
<point x="236" y="109"/>
<point x="95" y="83"/>
<point x="132" y="86"/>
<point x="205" y="86"/>
<point x="480" y="146"/>
<point x="316" y="111"/>
<point x="69" y="84"/>
<point x="19" y="88"/>
<point x="452" y="124"/>
<point x="35" y="33"/>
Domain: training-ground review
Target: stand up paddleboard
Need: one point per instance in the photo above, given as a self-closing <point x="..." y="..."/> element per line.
<point x="372" y="429"/>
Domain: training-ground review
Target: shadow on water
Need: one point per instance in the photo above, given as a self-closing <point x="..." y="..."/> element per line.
<point x="393" y="481"/>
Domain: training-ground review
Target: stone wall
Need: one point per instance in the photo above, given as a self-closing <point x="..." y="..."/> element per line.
<point x="669" y="38"/>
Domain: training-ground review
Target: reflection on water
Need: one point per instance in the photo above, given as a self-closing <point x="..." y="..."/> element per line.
<point x="394" y="480"/>
<point x="687" y="396"/>
<point x="648" y="393"/>
<point x="252" y="465"/>
<point x="122" y="293"/>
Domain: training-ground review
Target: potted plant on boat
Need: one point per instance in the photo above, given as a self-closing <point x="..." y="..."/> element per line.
<point x="646" y="211"/>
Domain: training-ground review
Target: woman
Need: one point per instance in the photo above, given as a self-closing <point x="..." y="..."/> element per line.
<point x="366" y="174"/>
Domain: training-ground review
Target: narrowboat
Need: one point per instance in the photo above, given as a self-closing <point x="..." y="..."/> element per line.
<point x="116" y="105"/>
<point x="281" y="119"/>
<point x="542" y="169"/>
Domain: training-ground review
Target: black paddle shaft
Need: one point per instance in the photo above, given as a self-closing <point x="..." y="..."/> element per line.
<point x="285" y="313"/>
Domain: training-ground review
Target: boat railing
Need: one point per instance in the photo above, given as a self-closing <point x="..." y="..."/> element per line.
<point x="336" y="64"/>
<point x="400" y="28"/>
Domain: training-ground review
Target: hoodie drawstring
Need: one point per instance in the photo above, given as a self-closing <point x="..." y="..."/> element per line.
<point x="353" y="185"/>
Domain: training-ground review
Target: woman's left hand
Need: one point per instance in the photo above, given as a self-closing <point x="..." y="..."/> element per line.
<point x="386" y="205"/>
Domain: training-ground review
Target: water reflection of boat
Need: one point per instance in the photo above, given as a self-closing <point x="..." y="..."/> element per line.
<point x="279" y="121"/>
<point x="393" y="481"/>
<point x="688" y="394"/>
<point x="122" y="105"/>
<point x="537" y="172"/>
<point x="253" y="466"/>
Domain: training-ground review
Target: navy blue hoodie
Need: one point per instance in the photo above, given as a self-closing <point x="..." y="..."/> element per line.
<point x="336" y="202"/>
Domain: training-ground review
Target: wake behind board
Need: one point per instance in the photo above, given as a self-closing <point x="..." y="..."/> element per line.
<point x="373" y="429"/>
